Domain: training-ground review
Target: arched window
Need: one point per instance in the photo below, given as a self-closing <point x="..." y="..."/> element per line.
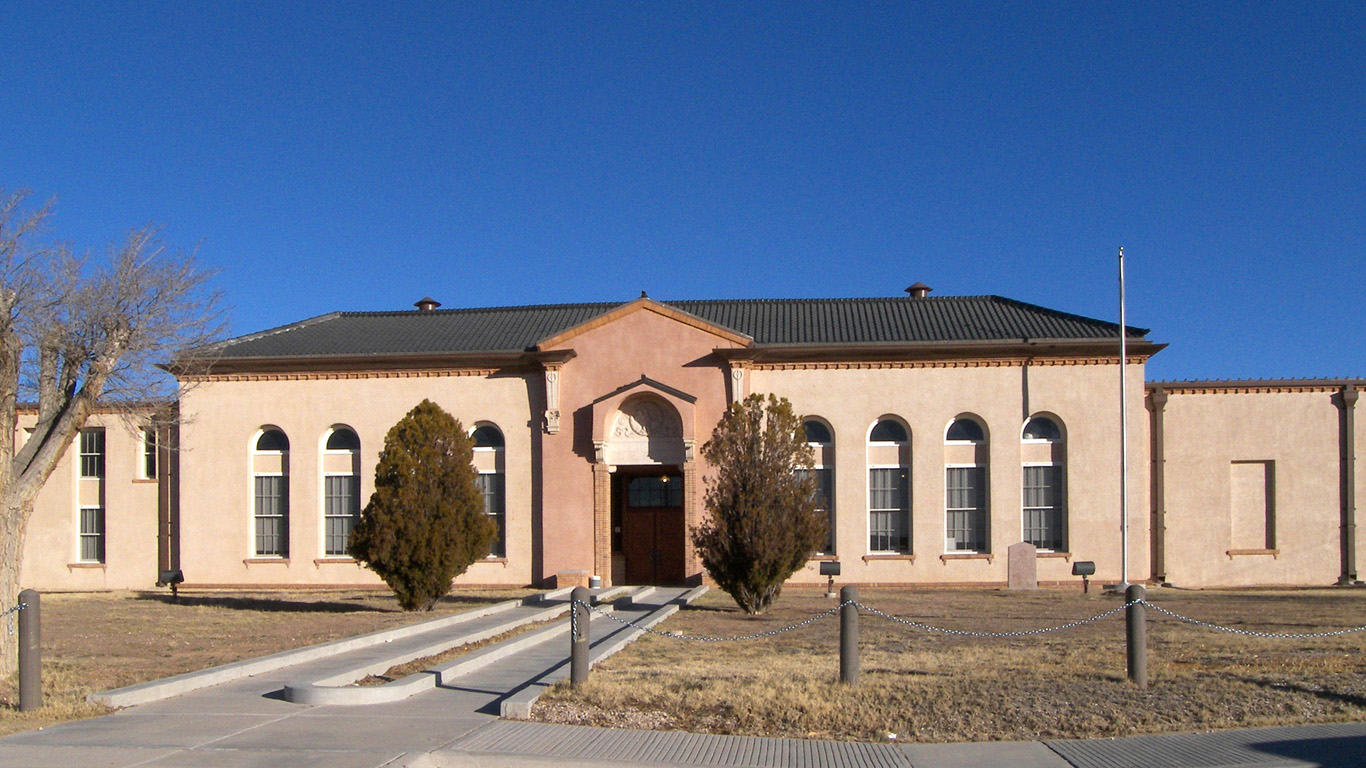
<point x="489" y="462"/>
<point x="1042" y="428"/>
<point x="270" y="479"/>
<point x="341" y="489"/>
<point x="889" y="489"/>
<point x="487" y="436"/>
<point x="966" y="510"/>
<point x="342" y="439"/>
<point x="888" y="431"/>
<point x="964" y="431"/>
<point x="1044" y="455"/>
<point x="822" y="470"/>
<point x="272" y="440"/>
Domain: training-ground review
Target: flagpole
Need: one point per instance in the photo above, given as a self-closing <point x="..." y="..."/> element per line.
<point x="1123" y="434"/>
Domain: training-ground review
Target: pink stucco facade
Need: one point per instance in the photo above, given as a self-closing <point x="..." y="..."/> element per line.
<point x="1226" y="486"/>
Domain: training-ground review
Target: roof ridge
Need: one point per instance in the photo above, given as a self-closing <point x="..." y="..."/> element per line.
<point x="793" y="300"/>
<point x="470" y="310"/>
<point x="582" y="304"/>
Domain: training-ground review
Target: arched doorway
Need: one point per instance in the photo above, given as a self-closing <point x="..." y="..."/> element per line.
<point x="649" y="525"/>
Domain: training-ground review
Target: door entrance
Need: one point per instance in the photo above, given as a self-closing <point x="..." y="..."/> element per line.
<point x="653" y="528"/>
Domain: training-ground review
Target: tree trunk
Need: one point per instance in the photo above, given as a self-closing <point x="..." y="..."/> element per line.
<point x="13" y="519"/>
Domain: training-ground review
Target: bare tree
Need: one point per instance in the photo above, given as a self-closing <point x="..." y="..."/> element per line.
<point x="80" y="334"/>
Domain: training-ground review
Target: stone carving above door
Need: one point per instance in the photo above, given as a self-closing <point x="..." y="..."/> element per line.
<point x="645" y="431"/>
<point x="644" y="417"/>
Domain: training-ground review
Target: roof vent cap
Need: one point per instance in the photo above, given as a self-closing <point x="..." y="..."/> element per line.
<point x="426" y="304"/>
<point x="918" y="290"/>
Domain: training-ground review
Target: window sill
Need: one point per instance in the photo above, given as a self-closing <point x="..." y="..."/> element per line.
<point x="823" y="559"/>
<point x="496" y="560"/>
<point x="144" y="481"/>
<point x="987" y="556"/>
<point x="335" y="559"/>
<point x="888" y="556"/>
<point x="1232" y="553"/>
<point x="85" y="566"/>
<point x="1064" y="555"/>
<point x="265" y="560"/>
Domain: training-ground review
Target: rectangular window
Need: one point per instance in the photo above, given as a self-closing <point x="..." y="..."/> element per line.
<point x="92" y="453"/>
<point x="149" y="453"/>
<point x="491" y="486"/>
<point x="825" y="502"/>
<point x="651" y="491"/>
<point x="1044" y="522"/>
<point x="889" y="510"/>
<point x="966" y="492"/>
<point x="341" y="511"/>
<point x="272" y="520"/>
<point x="92" y="534"/>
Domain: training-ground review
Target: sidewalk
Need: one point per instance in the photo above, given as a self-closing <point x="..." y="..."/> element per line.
<point x="247" y="723"/>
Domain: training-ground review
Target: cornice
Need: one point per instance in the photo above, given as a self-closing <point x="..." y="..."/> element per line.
<point x="1254" y="386"/>
<point x="994" y="362"/>
<point x="943" y="354"/>
<point x="371" y="365"/>
<point x="402" y="373"/>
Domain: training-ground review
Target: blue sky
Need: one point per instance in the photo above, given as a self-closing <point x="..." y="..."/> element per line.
<point x="346" y="156"/>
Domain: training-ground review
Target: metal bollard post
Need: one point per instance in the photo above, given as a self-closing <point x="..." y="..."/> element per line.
<point x="30" y="652"/>
<point x="578" y="636"/>
<point x="1136" y="635"/>
<point x="849" y="635"/>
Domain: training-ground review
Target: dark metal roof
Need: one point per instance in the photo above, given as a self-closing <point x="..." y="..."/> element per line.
<point x="894" y="320"/>
<point x="770" y="322"/>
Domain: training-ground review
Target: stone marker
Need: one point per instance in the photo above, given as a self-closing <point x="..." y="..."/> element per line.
<point x="1023" y="565"/>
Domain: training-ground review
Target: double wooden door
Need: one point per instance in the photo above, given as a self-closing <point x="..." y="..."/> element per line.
<point x="654" y="530"/>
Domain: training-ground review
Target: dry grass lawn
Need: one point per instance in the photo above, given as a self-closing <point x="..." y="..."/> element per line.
<point x="98" y="641"/>
<point x="930" y="687"/>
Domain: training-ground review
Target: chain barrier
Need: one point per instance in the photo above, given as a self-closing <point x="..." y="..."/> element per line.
<point x="969" y="633"/>
<point x="710" y="639"/>
<point x="945" y="630"/>
<point x="10" y="612"/>
<point x="1249" y="632"/>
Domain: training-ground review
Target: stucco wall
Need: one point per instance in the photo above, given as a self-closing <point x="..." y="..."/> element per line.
<point x="1296" y="434"/>
<point x="222" y="419"/>
<point x="52" y="546"/>
<point x="607" y="358"/>
<point x="1084" y="399"/>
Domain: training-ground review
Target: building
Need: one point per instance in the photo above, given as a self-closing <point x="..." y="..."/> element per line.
<point x="945" y="430"/>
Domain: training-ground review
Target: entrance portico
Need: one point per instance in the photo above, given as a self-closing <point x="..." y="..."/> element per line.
<point x="645" y="496"/>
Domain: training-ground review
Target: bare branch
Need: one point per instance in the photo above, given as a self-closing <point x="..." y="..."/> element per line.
<point x="80" y="334"/>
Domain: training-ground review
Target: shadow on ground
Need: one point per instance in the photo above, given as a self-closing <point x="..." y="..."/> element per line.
<point x="1343" y="698"/>
<point x="282" y="605"/>
<point x="1339" y="752"/>
<point x="265" y="604"/>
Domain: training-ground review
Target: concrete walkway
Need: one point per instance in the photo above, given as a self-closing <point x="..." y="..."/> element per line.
<point x="248" y="722"/>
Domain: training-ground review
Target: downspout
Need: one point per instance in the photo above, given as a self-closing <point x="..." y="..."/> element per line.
<point x="1346" y="402"/>
<point x="1157" y="495"/>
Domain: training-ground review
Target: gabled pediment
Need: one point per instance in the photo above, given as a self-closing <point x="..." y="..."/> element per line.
<point x="647" y="384"/>
<point x="646" y="304"/>
<point x="644" y="422"/>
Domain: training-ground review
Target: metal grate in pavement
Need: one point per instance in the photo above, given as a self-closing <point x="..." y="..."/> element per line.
<point x="673" y="747"/>
<point x="1341" y="745"/>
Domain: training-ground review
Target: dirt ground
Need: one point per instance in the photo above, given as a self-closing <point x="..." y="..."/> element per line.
<point x="98" y="641"/>
<point x="924" y="686"/>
